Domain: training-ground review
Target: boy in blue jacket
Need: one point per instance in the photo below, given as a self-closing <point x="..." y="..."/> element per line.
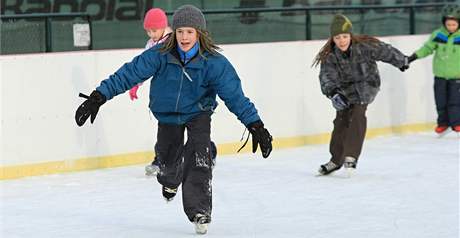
<point x="188" y="73"/>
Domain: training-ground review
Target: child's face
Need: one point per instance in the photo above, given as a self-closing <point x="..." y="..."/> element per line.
<point x="186" y="37"/>
<point x="155" y="34"/>
<point x="451" y="25"/>
<point x="342" y="41"/>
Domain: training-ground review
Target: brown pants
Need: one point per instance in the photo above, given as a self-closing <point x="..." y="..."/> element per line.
<point x="348" y="134"/>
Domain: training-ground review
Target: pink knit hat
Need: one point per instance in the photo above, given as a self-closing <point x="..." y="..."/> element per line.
<point x="155" y="18"/>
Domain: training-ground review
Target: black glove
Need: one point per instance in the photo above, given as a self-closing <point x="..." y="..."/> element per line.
<point x="260" y="136"/>
<point x="89" y="107"/>
<point x="339" y="102"/>
<point x="406" y="64"/>
<point x="412" y="57"/>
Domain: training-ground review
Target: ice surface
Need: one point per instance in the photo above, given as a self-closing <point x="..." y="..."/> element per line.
<point x="405" y="186"/>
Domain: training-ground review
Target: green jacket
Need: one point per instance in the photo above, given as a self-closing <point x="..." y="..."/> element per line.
<point x="446" y="48"/>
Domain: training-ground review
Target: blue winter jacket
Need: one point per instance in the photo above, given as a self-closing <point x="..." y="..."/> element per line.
<point x="180" y="92"/>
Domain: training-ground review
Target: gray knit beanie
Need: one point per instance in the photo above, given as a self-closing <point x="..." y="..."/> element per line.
<point x="188" y="16"/>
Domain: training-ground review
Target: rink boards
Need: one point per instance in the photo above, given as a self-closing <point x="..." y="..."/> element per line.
<point x="39" y="98"/>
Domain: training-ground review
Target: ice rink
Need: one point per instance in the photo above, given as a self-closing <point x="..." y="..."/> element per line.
<point x="405" y="186"/>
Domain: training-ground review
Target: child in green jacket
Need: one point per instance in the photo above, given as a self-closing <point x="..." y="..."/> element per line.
<point x="445" y="44"/>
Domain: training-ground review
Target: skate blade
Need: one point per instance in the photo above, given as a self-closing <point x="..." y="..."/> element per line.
<point x="201" y="228"/>
<point x="318" y="174"/>
<point x="350" y="172"/>
<point x="168" y="200"/>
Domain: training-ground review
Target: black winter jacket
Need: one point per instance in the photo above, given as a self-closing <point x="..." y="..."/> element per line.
<point x="354" y="74"/>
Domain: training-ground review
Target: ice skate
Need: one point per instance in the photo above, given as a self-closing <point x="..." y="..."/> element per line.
<point x="169" y="193"/>
<point x="441" y="131"/>
<point x="328" y="168"/>
<point x="456" y="129"/>
<point x="350" y="165"/>
<point x="201" y="223"/>
<point x="441" y="135"/>
<point x="152" y="170"/>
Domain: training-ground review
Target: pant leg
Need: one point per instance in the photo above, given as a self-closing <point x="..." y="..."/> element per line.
<point x="169" y="152"/>
<point x="440" y="98"/>
<point x="337" y="143"/>
<point x="197" y="176"/>
<point x="156" y="160"/>
<point x="453" y="102"/>
<point x="356" y="132"/>
<point x="348" y="135"/>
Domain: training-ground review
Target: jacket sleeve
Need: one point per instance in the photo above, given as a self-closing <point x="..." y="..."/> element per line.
<point x="428" y="48"/>
<point x="328" y="77"/>
<point x="386" y="53"/>
<point x="228" y="87"/>
<point x="141" y="68"/>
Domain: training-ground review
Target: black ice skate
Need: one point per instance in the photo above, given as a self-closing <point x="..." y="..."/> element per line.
<point x="350" y="165"/>
<point x="169" y="193"/>
<point x="201" y="223"/>
<point x="328" y="168"/>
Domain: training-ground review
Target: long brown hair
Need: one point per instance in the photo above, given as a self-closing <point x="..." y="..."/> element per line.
<point x="206" y="43"/>
<point x="329" y="46"/>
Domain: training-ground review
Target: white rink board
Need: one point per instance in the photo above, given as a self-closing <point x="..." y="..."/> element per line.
<point x="39" y="96"/>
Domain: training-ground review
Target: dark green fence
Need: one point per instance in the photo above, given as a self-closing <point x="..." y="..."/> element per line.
<point x="290" y="24"/>
<point x="30" y="33"/>
<point x="241" y="25"/>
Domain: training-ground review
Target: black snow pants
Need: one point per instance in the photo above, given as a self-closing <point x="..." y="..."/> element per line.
<point x="447" y="99"/>
<point x="348" y="135"/>
<point x="189" y="164"/>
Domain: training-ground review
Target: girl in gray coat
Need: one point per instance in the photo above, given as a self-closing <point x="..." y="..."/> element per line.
<point x="350" y="78"/>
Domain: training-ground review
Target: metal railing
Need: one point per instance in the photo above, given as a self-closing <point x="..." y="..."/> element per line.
<point x="307" y="11"/>
<point x="362" y="9"/>
<point x="48" y="29"/>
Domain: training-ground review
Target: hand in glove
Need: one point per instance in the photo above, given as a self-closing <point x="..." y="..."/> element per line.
<point x="407" y="61"/>
<point x="412" y="57"/>
<point x="260" y="136"/>
<point x="339" y="102"/>
<point x="89" y="107"/>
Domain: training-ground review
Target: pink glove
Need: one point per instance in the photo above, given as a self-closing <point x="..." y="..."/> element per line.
<point x="133" y="92"/>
